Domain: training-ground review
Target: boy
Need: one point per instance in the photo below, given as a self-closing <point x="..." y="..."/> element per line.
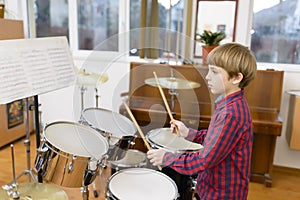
<point x="223" y="165"/>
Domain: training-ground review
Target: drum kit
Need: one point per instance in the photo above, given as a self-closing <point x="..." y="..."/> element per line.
<point x="73" y="154"/>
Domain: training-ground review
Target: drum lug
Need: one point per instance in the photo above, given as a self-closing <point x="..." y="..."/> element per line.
<point x="41" y="159"/>
<point x="107" y="135"/>
<point x="103" y="161"/>
<point x="71" y="164"/>
<point x="131" y="143"/>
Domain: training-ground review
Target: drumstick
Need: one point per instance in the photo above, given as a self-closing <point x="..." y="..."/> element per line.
<point x="165" y="100"/>
<point x="139" y="129"/>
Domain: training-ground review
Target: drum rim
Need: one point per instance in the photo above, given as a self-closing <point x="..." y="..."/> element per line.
<point x="128" y="121"/>
<point x="77" y="124"/>
<point x="141" y="169"/>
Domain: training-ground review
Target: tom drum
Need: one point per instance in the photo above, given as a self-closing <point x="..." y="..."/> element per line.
<point x="70" y="154"/>
<point x="113" y="125"/>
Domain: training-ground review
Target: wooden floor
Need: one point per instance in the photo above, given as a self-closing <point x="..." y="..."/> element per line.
<point x="286" y="185"/>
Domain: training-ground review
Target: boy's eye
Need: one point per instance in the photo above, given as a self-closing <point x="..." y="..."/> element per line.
<point x="214" y="71"/>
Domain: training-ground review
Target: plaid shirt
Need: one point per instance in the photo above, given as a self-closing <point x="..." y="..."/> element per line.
<point x="223" y="165"/>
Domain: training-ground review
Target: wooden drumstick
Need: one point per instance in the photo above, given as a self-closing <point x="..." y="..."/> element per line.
<point x="165" y="100"/>
<point x="139" y="129"/>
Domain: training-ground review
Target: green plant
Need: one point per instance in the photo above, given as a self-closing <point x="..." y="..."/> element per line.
<point x="210" y="38"/>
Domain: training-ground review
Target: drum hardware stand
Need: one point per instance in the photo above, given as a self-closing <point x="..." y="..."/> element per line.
<point x="96" y="96"/>
<point x="82" y="91"/>
<point x="85" y="189"/>
<point x="85" y="192"/>
<point x="27" y="145"/>
<point x="93" y="169"/>
<point x="173" y="93"/>
<point x="12" y="189"/>
<point x="194" y="191"/>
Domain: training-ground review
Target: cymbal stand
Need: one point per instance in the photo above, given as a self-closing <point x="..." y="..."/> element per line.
<point x="26" y="143"/>
<point x="96" y="195"/>
<point x="173" y="93"/>
<point x="82" y="91"/>
<point x="96" y="96"/>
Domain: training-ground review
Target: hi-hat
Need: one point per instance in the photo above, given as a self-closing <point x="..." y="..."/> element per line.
<point x="87" y="78"/>
<point x="172" y="83"/>
<point x="32" y="191"/>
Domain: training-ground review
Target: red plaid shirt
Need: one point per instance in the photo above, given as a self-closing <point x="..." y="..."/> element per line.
<point x="223" y="165"/>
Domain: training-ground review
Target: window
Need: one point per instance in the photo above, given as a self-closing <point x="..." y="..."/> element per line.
<point x="275" y="36"/>
<point x="98" y="24"/>
<point x="98" y="20"/>
<point x="163" y="33"/>
<point x="51" y="18"/>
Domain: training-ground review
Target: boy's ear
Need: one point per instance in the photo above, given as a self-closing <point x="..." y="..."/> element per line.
<point x="238" y="78"/>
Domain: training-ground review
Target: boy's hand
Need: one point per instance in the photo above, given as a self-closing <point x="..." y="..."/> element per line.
<point x="182" y="130"/>
<point x="155" y="156"/>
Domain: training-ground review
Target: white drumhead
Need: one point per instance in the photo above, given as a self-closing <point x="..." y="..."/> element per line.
<point x="164" y="138"/>
<point x="108" y="121"/>
<point x="142" y="183"/>
<point x="76" y="139"/>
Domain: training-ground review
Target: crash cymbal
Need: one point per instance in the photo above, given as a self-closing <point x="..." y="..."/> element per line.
<point x="87" y="78"/>
<point x="172" y="83"/>
<point x="36" y="191"/>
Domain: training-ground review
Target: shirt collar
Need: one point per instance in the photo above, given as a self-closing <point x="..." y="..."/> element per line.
<point x="221" y="101"/>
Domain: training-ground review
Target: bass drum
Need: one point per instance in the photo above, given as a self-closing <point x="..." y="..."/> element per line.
<point x="70" y="154"/>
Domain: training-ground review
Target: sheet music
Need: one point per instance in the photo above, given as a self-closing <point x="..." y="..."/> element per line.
<point x="31" y="67"/>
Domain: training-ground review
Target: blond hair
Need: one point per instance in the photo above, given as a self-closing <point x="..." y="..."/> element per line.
<point x="234" y="58"/>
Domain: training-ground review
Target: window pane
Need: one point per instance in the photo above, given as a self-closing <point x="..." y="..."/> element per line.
<point x="98" y="24"/>
<point x="276" y="31"/>
<point x="163" y="23"/>
<point x="51" y="18"/>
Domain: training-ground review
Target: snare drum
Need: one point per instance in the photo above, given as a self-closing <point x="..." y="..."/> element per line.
<point x="133" y="158"/>
<point x="164" y="138"/>
<point x="141" y="183"/>
<point x="70" y="154"/>
<point x="112" y="124"/>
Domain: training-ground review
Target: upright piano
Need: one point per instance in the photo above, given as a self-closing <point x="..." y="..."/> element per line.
<point x="194" y="106"/>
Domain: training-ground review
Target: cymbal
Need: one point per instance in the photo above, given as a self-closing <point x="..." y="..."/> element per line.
<point x="33" y="191"/>
<point x="172" y="83"/>
<point x="87" y="78"/>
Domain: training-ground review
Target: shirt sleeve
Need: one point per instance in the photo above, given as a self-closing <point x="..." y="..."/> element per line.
<point x="221" y="138"/>
<point x="196" y="136"/>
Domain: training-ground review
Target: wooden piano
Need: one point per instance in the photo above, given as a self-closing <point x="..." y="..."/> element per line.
<point x="195" y="106"/>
